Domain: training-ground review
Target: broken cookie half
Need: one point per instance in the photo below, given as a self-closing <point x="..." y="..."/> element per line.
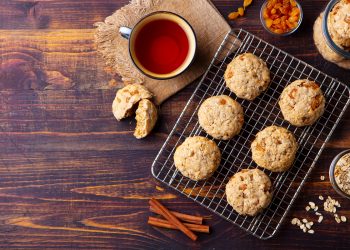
<point x="125" y="103"/>
<point x="126" y="99"/>
<point x="146" y="118"/>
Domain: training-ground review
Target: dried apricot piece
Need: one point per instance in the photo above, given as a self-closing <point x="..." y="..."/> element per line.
<point x="269" y="22"/>
<point x="277" y="21"/>
<point x="246" y="3"/>
<point x="233" y="15"/>
<point x="293" y="19"/>
<point x="241" y="11"/>
<point x="265" y="14"/>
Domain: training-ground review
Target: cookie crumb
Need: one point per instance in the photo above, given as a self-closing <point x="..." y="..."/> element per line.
<point x="322" y="178"/>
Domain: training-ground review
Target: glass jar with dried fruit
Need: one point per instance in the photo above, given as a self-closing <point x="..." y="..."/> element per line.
<point x="281" y="17"/>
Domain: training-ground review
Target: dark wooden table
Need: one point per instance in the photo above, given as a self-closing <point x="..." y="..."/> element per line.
<point x="72" y="177"/>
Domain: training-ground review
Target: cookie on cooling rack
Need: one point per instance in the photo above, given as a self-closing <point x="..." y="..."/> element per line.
<point x="247" y="76"/>
<point x="197" y="158"/>
<point x="221" y="117"/>
<point x="249" y="191"/>
<point x="302" y="103"/>
<point x="274" y="148"/>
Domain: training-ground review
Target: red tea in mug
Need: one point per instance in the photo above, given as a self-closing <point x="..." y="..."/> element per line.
<point x="161" y="46"/>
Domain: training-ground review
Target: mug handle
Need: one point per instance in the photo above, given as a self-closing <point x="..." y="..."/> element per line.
<point x="125" y="32"/>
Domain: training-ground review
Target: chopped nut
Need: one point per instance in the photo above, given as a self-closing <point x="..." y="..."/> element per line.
<point x="311" y="231"/>
<point x="317" y="213"/>
<point x="322" y="178"/>
<point x="308" y="226"/>
<point x="321" y="197"/>
<point x="304" y="220"/>
<point x="307" y="208"/>
<point x="302" y="226"/>
<point x="343" y="218"/>
<point x="337" y="219"/>
<point x="316" y="208"/>
<point x="304" y="230"/>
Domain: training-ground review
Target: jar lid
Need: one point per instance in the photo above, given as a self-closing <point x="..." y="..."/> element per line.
<point x="329" y="40"/>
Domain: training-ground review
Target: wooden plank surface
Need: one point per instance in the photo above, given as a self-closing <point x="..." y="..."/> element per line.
<point x="72" y="177"/>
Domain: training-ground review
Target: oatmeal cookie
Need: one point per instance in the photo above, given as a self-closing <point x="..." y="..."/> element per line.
<point x="197" y="158"/>
<point x="146" y="118"/>
<point x="221" y="117"/>
<point x="126" y="98"/>
<point x="249" y="191"/>
<point x="274" y="148"/>
<point x="302" y="103"/>
<point x="247" y="76"/>
<point x="339" y="23"/>
<point x="322" y="46"/>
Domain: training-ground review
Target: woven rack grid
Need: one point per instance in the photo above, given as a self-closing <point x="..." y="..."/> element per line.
<point x="260" y="113"/>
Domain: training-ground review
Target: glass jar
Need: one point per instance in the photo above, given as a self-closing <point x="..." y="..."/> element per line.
<point x="332" y="33"/>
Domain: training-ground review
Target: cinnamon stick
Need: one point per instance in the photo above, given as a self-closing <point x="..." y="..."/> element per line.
<point x="172" y="219"/>
<point x="184" y="217"/>
<point x="157" y="222"/>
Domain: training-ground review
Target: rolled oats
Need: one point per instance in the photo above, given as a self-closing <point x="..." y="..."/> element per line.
<point x="320" y="219"/>
<point x="342" y="173"/>
<point x="343" y="218"/>
<point x="312" y="204"/>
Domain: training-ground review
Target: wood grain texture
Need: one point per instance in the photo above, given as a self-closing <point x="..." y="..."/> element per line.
<point x="72" y="177"/>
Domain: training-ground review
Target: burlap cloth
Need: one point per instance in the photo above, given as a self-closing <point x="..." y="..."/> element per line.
<point x="210" y="28"/>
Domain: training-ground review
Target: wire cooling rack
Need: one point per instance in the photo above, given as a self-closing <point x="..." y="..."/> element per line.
<point x="262" y="112"/>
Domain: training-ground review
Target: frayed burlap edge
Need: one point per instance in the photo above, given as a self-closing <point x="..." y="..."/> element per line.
<point x="111" y="45"/>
